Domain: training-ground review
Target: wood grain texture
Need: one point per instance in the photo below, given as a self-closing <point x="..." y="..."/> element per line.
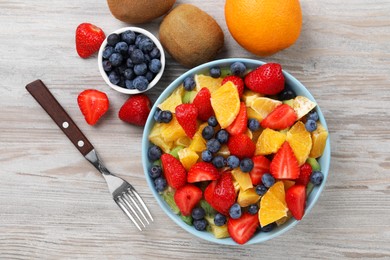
<point x="54" y="205"/>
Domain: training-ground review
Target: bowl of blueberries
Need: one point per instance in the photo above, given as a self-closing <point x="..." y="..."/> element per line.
<point x="131" y="60"/>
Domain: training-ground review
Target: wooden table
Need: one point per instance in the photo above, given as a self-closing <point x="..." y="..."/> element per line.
<point x="54" y="205"/>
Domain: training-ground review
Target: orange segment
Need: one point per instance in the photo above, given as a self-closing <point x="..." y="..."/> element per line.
<point x="247" y="197"/>
<point x="269" y="142"/>
<point x="198" y="143"/>
<point x="248" y="96"/>
<point x="187" y="157"/>
<point x="243" y="179"/>
<point x="156" y="138"/>
<point x="273" y="205"/>
<point x="300" y="141"/>
<point x="263" y="106"/>
<point x="203" y="81"/>
<point x="173" y="100"/>
<point x="319" y="137"/>
<point x="172" y="131"/>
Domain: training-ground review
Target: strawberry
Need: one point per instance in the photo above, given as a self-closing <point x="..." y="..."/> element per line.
<point x="202" y="171"/>
<point x="284" y="165"/>
<point x="187" y="197"/>
<point x="243" y="228"/>
<point x="135" y="110"/>
<point x="174" y="171"/>
<point x="304" y="174"/>
<point x="220" y="194"/>
<point x="280" y="118"/>
<point x="241" y="146"/>
<point x="260" y="166"/>
<point x="93" y="104"/>
<point x="186" y="115"/>
<point x="88" y="39"/>
<point x="267" y="79"/>
<point x="239" y="125"/>
<point x="237" y="81"/>
<point x="296" y="200"/>
<point x="203" y="104"/>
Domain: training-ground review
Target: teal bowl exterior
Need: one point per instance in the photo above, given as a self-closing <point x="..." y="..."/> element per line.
<point x="260" y="237"/>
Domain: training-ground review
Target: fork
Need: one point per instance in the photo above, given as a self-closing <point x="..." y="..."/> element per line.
<point x="123" y="193"/>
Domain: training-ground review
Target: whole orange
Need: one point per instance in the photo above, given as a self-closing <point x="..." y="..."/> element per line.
<point x="264" y="27"/>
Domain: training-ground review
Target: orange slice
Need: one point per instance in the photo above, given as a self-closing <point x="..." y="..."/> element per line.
<point x="273" y="204"/>
<point x="173" y="100"/>
<point x="300" y="141"/>
<point x="203" y="81"/>
<point x="319" y="137"/>
<point x="188" y="157"/>
<point x="248" y="96"/>
<point x="156" y="138"/>
<point x="269" y="142"/>
<point x="172" y="131"/>
<point x="263" y="106"/>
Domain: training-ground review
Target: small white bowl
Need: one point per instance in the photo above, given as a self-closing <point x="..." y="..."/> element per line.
<point x="156" y="78"/>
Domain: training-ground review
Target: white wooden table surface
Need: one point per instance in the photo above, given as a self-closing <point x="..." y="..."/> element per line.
<point x="54" y="205"/>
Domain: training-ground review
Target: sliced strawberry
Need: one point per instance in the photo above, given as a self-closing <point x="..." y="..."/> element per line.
<point x="220" y="194"/>
<point x="280" y="118"/>
<point x="304" y="174"/>
<point x="203" y="104"/>
<point x="174" y="171"/>
<point x="267" y="79"/>
<point x="260" y="166"/>
<point x="89" y="37"/>
<point x="93" y="104"/>
<point x="237" y="81"/>
<point x="187" y="197"/>
<point x="296" y="200"/>
<point x="202" y="171"/>
<point x="241" y="146"/>
<point x="285" y="165"/>
<point x="243" y="228"/>
<point x="135" y="110"/>
<point x="186" y="115"/>
<point x="239" y="124"/>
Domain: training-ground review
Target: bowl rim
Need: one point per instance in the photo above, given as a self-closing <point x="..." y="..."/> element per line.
<point x="263" y="236"/>
<point x="155" y="41"/>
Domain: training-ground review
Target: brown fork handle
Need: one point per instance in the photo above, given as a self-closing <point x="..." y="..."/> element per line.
<point x="50" y="104"/>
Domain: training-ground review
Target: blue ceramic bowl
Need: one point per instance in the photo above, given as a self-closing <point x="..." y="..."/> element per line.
<point x="324" y="160"/>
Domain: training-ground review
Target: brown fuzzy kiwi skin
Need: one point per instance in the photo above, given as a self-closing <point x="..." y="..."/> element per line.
<point x="139" y="11"/>
<point x="190" y="35"/>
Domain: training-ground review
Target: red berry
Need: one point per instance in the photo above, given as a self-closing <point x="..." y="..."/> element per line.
<point x="186" y="115"/>
<point x="237" y="81"/>
<point x="202" y="171"/>
<point x="93" y="104"/>
<point x="280" y="118"/>
<point x="174" y="171"/>
<point x="304" y="174"/>
<point x="186" y="197"/>
<point x="239" y="125"/>
<point x="284" y="165"/>
<point x="241" y="146"/>
<point x="88" y="39"/>
<point x="243" y="228"/>
<point x="203" y="104"/>
<point x="260" y="166"/>
<point x="267" y="79"/>
<point x="296" y="200"/>
<point x="135" y="110"/>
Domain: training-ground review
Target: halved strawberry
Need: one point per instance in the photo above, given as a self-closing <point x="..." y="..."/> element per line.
<point x="285" y="165"/>
<point x="203" y="104"/>
<point x="89" y="37"/>
<point x="260" y="166"/>
<point x="280" y="118"/>
<point x="202" y="171"/>
<point x="174" y="171"/>
<point x="237" y="81"/>
<point x="187" y="197"/>
<point x="243" y="228"/>
<point x="304" y="174"/>
<point x="241" y="146"/>
<point x="267" y="79"/>
<point x="239" y="124"/>
<point x="296" y="200"/>
<point x="220" y="194"/>
<point x="186" y="115"/>
<point x="93" y="104"/>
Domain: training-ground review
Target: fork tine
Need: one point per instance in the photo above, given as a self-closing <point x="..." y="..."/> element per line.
<point x="131" y="195"/>
<point x="142" y="203"/>
<point x="127" y="199"/>
<point x="124" y="209"/>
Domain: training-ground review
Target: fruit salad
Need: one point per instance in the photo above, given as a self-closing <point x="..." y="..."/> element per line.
<point x="234" y="151"/>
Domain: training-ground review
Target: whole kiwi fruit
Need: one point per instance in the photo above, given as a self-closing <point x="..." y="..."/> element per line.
<point x="139" y="11"/>
<point x="190" y="35"/>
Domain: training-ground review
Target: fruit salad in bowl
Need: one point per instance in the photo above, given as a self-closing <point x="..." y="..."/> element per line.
<point x="236" y="151"/>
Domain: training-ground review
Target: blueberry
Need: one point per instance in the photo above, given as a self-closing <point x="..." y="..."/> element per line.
<point x="137" y="56"/>
<point x="311" y="125"/>
<point x="208" y="132"/>
<point x="140" y="69"/>
<point x="268" y="180"/>
<point x="157" y="115"/>
<point x="128" y="37"/>
<point x="160" y="183"/>
<point x="235" y="211"/>
<point x="269" y="227"/>
<point x="287" y="94"/>
<point x="253" y="209"/>
<point x="155" y="171"/>
<point x="131" y="49"/>
<point x="139" y="38"/>
<point x="222" y="136"/>
<point x="253" y="124"/>
<point x="207" y="156"/>
<point x="313" y="115"/>
<point x="140" y="83"/>
<point x="129" y="63"/>
<point x="219" y="161"/>
<point x="155" y="65"/>
<point x="149" y="76"/>
<point x="129" y="74"/>
<point x="219" y="219"/>
<point x="246" y="165"/>
<point x="198" y="213"/>
<point x="107" y="52"/>
<point x="114" y="78"/>
<point x="155" y="53"/>
<point x="147" y="58"/>
<point x="213" y="145"/>
<point x="116" y="59"/>
<point x="113" y="39"/>
<point x="233" y="161"/>
<point x="316" y="177"/>
<point x="189" y="83"/>
<point x="107" y="66"/>
<point x="166" y="116"/>
<point x="121" y="69"/>
<point x="261" y="189"/>
<point x="121" y="47"/>
<point x="212" y="121"/>
<point x="154" y="153"/>
<point x="200" y="224"/>
<point x="215" y="72"/>
<point x="146" y="45"/>
<point x="129" y="84"/>
<point x="238" y="68"/>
